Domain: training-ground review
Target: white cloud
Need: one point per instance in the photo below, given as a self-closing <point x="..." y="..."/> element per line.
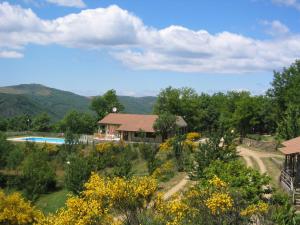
<point x="128" y="39"/>
<point x="68" y="3"/>
<point x="275" y="28"/>
<point x="10" y="54"/>
<point x="289" y="3"/>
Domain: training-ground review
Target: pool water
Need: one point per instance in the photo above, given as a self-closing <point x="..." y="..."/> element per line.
<point x="49" y="140"/>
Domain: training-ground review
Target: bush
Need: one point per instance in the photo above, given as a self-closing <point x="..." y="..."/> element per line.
<point x="38" y="176"/>
<point x="77" y="172"/>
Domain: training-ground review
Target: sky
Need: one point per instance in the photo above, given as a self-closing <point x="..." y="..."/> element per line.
<point x="139" y="47"/>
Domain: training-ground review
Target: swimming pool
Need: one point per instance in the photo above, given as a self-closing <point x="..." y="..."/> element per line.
<point x="58" y="141"/>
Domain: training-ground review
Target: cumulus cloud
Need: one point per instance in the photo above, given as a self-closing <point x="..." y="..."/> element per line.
<point x="289" y="3"/>
<point x="68" y="3"/>
<point x="275" y="28"/>
<point x="128" y="39"/>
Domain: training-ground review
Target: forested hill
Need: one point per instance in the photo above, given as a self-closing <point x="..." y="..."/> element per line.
<point x="33" y="99"/>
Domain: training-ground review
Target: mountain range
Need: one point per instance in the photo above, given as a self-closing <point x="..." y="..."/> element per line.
<point x="33" y="99"/>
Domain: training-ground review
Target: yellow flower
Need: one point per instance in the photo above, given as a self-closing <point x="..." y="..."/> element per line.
<point x="15" y="210"/>
<point x="193" y="136"/>
<point x="254" y="209"/>
<point x="217" y="182"/>
<point x="219" y="202"/>
<point x="167" y="145"/>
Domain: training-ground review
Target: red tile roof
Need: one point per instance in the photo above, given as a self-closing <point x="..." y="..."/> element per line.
<point x="135" y="122"/>
<point x="291" y="146"/>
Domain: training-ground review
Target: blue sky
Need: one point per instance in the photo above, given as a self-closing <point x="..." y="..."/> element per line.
<point x="140" y="47"/>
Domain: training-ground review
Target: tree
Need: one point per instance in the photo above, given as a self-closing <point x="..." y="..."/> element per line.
<point x="181" y="102"/>
<point x="165" y="125"/>
<point x="219" y="146"/>
<point x="20" y="123"/>
<point x="149" y="152"/>
<point x="5" y="148"/>
<point x="104" y="104"/>
<point x="289" y="127"/>
<point x="15" y="158"/>
<point x="285" y="88"/>
<point x="77" y="173"/>
<point x="3" y="124"/>
<point x="41" y="123"/>
<point x="38" y="176"/>
<point x="78" y="123"/>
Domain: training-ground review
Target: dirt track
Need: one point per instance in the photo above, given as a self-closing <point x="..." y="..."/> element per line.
<point x="257" y="156"/>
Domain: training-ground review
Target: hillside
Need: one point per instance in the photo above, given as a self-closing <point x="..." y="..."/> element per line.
<point x="33" y="99"/>
<point x="141" y="105"/>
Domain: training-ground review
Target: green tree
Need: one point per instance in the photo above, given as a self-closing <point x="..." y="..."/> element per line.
<point x="20" y="123"/>
<point x="289" y="127"/>
<point x="219" y="146"/>
<point x="104" y="104"/>
<point x="285" y="88"/>
<point x="5" y="148"/>
<point x="38" y="176"/>
<point x="78" y="123"/>
<point x="15" y="158"/>
<point x="148" y="153"/>
<point x="181" y="102"/>
<point x="3" y="124"/>
<point x="41" y="123"/>
<point x="165" y="125"/>
<point x="77" y="172"/>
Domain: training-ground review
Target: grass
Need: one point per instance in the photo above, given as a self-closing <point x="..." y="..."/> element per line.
<point x="273" y="170"/>
<point x="241" y="159"/>
<point x="254" y="163"/>
<point x="49" y="203"/>
<point x="139" y="167"/>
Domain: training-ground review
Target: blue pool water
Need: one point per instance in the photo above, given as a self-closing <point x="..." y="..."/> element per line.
<point x="41" y="140"/>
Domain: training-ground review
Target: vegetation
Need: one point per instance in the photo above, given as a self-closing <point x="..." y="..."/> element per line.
<point x="34" y="99"/>
<point x="165" y="125"/>
<point x="105" y="104"/>
<point x="103" y="180"/>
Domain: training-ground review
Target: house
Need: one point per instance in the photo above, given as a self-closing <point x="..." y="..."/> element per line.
<point x="133" y="127"/>
<point x="290" y="174"/>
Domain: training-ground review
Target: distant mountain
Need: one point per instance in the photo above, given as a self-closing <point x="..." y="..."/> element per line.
<point x="140" y="105"/>
<point x="33" y="99"/>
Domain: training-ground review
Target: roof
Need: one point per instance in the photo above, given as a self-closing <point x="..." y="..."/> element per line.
<point x="135" y="122"/>
<point x="291" y="146"/>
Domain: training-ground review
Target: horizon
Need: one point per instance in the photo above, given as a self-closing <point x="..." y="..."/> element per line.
<point x="127" y="48"/>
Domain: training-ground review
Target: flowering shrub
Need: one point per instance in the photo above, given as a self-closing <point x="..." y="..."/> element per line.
<point x="104" y="147"/>
<point x="15" y="210"/>
<point x="172" y="212"/>
<point x="193" y="136"/>
<point x="255" y="209"/>
<point x="219" y="203"/>
<point x="167" y="145"/>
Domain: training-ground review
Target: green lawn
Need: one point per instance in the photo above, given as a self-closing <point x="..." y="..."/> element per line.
<point x="49" y="203"/>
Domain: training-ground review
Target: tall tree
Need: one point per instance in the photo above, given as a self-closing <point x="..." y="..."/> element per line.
<point x="289" y="127"/>
<point x="78" y="123"/>
<point x="104" y="104"/>
<point x="165" y="124"/>
<point x="180" y="102"/>
<point x="285" y="88"/>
